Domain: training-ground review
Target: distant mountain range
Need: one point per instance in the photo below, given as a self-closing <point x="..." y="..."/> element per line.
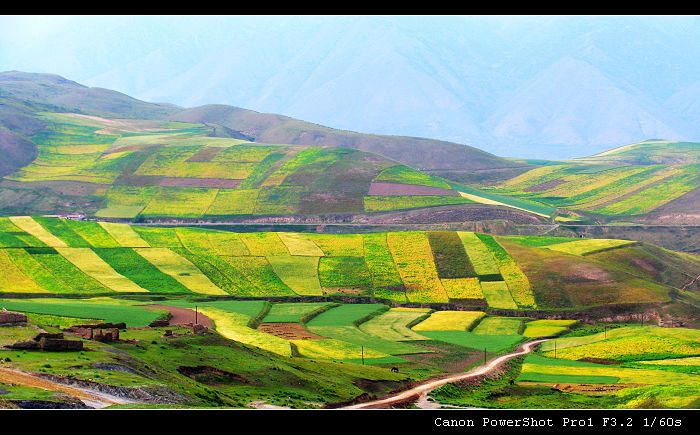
<point x="540" y="87"/>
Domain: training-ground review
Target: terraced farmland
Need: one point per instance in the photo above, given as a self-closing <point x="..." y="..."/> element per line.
<point x="152" y="169"/>
<point x="434" y="267"/>
<point x="628" y="181"/>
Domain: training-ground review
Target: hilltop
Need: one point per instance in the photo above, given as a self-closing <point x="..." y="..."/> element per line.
<point x="23" y="94"/>
<point x="650" y="152"/>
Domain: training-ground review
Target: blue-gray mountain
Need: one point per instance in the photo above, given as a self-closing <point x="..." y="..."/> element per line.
<point x="547" y="87"/>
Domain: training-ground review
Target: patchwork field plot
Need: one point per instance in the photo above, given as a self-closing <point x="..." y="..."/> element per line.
<point x="498" y="326"/>
<point x="424" y="267"/>
<point x="92" y="265"/>
<point x="124" y="235"/>
<point x="394" y="324"/>
<point x="462" y="288"/>
<point x="299" y="273"/>
<point x="404" y="202"/>
<point x="328" y="348"/>
<point x="586" y="247"/>
<point x="414" y="261"/>
<point x="631" y="384"/>
<point x="515" y="279"/>
<point x="30" y="226"/>
<point x="450" y="321"/>
<point x="618" y="184"/>
<point x="294" y="312"/>
<point x="166" y="171"/>
<point x="405" y="175"/>
<point x="490" y="343"/>
<point x="298" y="244"/>
<point x="340" y="323"/>
<point x="11" y="236"/>
<point x="235" y="326"/>
<point x="480" y="257"/>
<point x="179" y="268"/>
<point x="547" y="328"/>
<point x="141" y="272"/>
<point x="629" y="344"/>
<point x="13" y="280"/>
<point x="93" y="233"/>
<point x="105" y="309"/>
<point x="497" y="295"/>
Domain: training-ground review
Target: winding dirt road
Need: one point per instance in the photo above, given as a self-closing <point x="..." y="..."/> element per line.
<point x="428" y="386"/>
<point x="91" y="398"/>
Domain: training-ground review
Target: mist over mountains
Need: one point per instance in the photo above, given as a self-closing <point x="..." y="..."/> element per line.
<point x="540" y="87"/>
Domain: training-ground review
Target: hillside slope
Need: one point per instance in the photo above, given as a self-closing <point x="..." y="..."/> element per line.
<point x="46" y="255"/>
<point x="424" y="154"/>
<point x="652" y="182"/>
<point x="138" y="168"/>
<point x="650" y="152"/>
<point x="32" y="93"/>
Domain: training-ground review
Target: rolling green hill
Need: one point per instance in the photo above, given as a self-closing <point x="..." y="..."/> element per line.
<point x="129" y="168"/>
<point x="54" y="256"/>
<point x="627" y="183"/>
<point x="24" y="94"/>
<point x="650" y="152"/>
<point x="424" y="154"/>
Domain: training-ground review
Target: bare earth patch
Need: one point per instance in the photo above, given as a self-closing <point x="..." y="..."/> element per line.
<point x="395" y="189"/>
<point x="184" y="316"/>
<point x="288" y="331"/>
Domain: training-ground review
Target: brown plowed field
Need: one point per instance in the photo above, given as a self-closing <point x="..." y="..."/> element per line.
<point x="288" y="331"/>
<point x="184" y="316"/>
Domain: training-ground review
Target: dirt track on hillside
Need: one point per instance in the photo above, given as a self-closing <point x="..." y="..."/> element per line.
<point x="91" y="398"/>
<point x="427" y="386"/>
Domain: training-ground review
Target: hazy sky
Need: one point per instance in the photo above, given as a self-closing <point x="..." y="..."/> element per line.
<point x="535" y="86"/>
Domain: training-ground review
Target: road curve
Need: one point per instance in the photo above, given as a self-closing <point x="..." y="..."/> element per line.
<point x="428" y="386"/>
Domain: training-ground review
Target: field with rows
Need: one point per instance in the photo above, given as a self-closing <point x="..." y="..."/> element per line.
<point x="629" y="181"/>
<point x="146" y="169"/>
<point x="58" y="256"/>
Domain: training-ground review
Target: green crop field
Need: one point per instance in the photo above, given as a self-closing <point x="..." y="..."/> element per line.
<point x="299" y="273"/>
<point x="586" y="247"/>
<point x="450" y="257"/>
<point x="627" y="182"/>
<point x="299" y="244"/>
<point x="398" y="266"/>
<point x="497" y="295"/>
<point x="341" y="323"/>
<point x="404" y="175"/>
<point x="293" y="312"/>
<point x="414" y="261"/>
<point x="450" y="321"/>
<point x="106" y="309"/>
<point x="629" y="344"/>
<point x="405" y="202"/>
<point x="498" y="326"/>
<point x="546" y="328"/>
<point x="393" y="324"/>
<point x="164" y="171"/>
<point x="491" y="343"/>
